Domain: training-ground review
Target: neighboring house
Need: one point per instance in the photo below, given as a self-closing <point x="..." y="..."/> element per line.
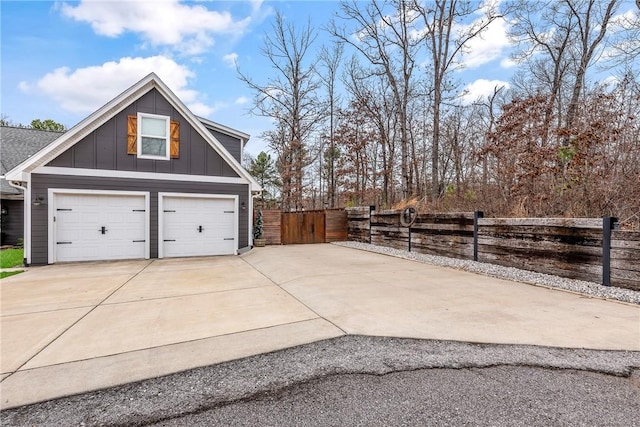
<point x="142" y="177"/>
<point x="16" y="145"/>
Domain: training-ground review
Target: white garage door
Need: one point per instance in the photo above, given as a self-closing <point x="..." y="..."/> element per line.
<point x="198" y="226"/>
<point x="91" y="227"/>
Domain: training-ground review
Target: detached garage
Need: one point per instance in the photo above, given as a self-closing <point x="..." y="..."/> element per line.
<point x="140" y="178"/>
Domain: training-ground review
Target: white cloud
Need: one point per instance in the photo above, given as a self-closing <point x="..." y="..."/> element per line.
<point x="480" y="88"/>
<point x="508" y="63"/>
<point x="241" y="100"/>
<point x="187" y="28"/>
<point x="231" y="59"/>
<point x="84" y="90"/>
<point x="488" y="46"/>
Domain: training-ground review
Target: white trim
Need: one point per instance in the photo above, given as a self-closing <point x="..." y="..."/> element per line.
<point x="167" y="136"/>
<point x="162" y="195"/>
<point x="52" y="209"/>
<point x="27" y="221"/>
<point x="113" y="107"/>
<point x="105" y="173"/>
<point x="250" y="221"/>
<point x="224" y="129"/>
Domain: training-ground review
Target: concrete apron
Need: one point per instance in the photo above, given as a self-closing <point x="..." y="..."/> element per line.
<point x="73" y="328"/>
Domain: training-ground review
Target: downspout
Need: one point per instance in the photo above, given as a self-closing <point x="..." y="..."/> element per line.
<point x="26" y="226"/>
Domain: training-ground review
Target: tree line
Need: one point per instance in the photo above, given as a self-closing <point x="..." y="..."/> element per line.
<point x="560" y="140"/>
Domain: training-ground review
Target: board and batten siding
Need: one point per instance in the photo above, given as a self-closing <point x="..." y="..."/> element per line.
<point x="41" y="183"/>
<point x="231" y="144"/>
<point x="106" y="147"/>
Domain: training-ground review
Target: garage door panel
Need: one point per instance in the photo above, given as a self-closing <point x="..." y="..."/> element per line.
<point x="79" y="221"/>
<point x="198" y="226"/>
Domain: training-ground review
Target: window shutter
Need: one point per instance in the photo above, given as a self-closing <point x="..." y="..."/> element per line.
<point x="132" y="134"/>
<point x="174" y="148"/>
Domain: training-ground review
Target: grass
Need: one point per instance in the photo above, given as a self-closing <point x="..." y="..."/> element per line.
<point x="11" y="258"/>
<point x="4" y="274"/>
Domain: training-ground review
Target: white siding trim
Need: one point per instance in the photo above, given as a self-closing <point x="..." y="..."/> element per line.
<point x="52" y="210"/>
<point x="104" y="173"/>
<point x="27" y="219"/>
<point x="161" y="197"/>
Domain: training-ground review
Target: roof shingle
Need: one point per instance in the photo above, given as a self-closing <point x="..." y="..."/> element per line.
<point x="17" y="145"/>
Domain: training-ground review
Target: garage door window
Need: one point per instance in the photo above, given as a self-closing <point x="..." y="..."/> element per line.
<point x="153" y="137"/>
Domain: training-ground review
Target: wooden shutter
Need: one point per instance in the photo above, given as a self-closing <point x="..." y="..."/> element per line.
<point x="174" y="148"/>
<point x="132" y="134"/>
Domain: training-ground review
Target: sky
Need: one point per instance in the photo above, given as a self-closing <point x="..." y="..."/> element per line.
<point x="63" y="60"/>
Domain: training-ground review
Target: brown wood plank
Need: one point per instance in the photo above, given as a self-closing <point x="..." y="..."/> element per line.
<point x="336" y="225"/>
<point x="553" y="222"/>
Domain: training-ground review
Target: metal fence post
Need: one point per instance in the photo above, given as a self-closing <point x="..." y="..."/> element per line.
<point x="476" y="216"/>
<point x="608" y="223"/>
<point x="371" y="209"/>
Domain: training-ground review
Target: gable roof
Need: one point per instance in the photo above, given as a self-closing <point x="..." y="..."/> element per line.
<point x="18" y="144"/>
<point x="244" y="137"/>
<point x="109" y="110"/>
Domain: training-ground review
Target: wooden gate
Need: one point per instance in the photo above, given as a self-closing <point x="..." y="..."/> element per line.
<point x="303" y="227"/>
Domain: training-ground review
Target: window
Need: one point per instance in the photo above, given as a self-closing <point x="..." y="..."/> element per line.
<point x="153" y="136"/>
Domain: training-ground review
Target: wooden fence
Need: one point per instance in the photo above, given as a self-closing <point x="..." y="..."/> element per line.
<point x="565" y="247"/>
<point x="271" y="226"/>
<point x="303" y="227"/>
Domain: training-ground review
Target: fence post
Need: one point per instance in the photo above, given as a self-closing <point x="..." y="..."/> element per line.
<point x="608" y="224"/>
<point x="371" y="209"/>
<point x="476" y="216"/>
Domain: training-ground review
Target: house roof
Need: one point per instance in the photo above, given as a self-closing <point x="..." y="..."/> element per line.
<point x="113" y="107"/>
<point x="225" y="129"/>
<point x="18" y="144"/>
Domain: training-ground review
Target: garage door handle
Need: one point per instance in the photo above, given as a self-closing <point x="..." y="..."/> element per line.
<point x="139" y="241"/>
<point x="229" y="238"/>
<point x="103" y="229"/>
<point x="200" y="229"/>
<point x="63" y="243"/>
<point x="169" y="240"/>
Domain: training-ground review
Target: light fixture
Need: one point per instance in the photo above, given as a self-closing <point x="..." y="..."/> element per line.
<point x="3" y="211"/>
<point x="243" y="205"/>
<point x="37" y="201"/>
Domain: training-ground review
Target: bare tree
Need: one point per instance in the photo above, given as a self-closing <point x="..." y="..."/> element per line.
<point x="384" y="38"/>
<point x="445" y="47"/>
<point x="559" y="41"/>
<point x="330" y="61"/>
<point x="290" y="98"/>
<point x="592" y="18"/>
<point x="373" y="95"/>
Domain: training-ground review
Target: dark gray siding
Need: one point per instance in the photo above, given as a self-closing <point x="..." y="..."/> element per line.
<point x="106" y="147"/>
<point x="232" y="145"/>
<point x="41" y="184"/>
<point x="12" y="222"/>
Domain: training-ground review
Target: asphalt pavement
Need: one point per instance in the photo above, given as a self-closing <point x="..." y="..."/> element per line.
<point x="358" y="380"/>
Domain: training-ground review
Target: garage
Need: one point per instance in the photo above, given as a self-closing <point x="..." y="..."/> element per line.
<point x="197" y="225"/>
<point x="98" y="226"/>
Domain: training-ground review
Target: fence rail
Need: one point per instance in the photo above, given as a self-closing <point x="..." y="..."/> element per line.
<point x="567" y="247"/>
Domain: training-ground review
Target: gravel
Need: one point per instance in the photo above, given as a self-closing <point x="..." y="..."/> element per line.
<point x="508" y="273"/>
<point x="459" y="376"/>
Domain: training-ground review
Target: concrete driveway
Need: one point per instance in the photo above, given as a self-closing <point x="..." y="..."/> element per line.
<point x="72" y="328"/>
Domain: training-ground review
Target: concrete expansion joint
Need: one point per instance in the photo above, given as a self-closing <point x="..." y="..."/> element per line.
<point x="318" y="315"/>
<point x="81" y="317"/>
